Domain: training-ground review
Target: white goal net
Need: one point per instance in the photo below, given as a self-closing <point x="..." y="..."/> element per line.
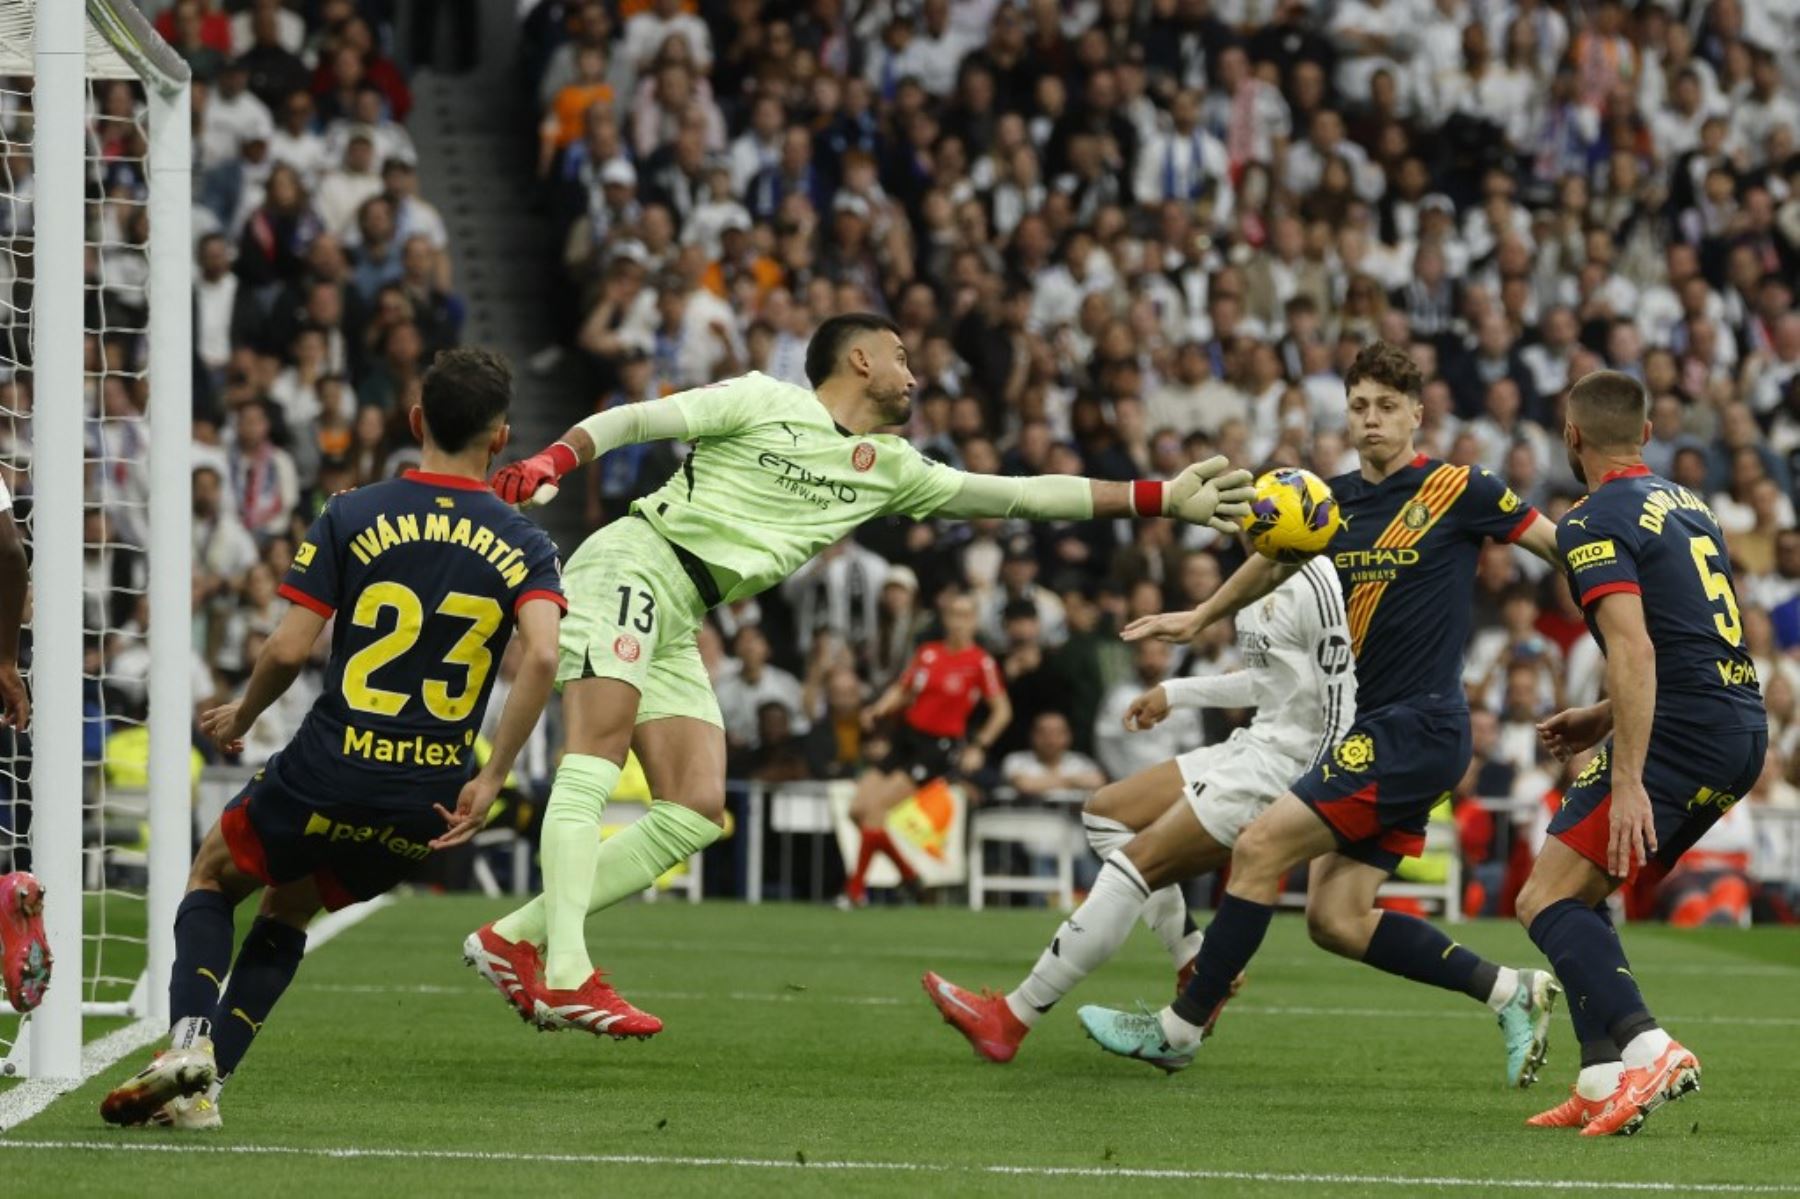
<point x="76" y="431"/>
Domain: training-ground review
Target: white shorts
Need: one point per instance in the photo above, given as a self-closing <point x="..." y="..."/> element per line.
<point x="1229" y="784"/>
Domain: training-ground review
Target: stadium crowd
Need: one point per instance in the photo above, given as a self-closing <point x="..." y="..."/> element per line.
<point x="1118" y="236"/>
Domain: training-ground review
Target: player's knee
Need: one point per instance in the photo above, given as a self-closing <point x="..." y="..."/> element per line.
<point x="1335" y="933"/>
<point x="1103" y="803"/>
<point x="707" y="800"/>
<point x="1533" y="898"/>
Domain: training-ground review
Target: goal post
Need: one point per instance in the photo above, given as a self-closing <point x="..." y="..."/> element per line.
<point x="61" y="381"/>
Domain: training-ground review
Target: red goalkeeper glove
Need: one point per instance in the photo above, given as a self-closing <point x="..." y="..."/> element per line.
<point x="534" y="481"/>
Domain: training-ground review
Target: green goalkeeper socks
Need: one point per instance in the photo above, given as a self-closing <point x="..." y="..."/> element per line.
<point x="668" y="835"/>
<point x="571" y="850"/>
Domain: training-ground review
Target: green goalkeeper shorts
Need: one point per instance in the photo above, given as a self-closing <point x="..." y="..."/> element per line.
<point x="633" y="614"/>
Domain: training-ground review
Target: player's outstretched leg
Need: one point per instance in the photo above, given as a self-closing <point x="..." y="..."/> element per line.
<point x="1341" y="917"/>
<point x="24" y="951"/>
<point x="1557" y="906"/>
<point x="1282" y="837"/>
<point x="1112" y="817"/>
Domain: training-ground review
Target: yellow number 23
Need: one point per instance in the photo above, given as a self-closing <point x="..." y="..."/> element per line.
<point x="470" y="651"/>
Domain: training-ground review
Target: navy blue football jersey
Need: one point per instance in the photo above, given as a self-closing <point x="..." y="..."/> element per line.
<point x="1639" y="533"/>
<point x="1406" y="560"/>
<point x="423" y="574"/>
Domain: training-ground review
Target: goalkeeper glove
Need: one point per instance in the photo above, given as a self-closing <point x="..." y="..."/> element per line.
<point x="532" y="483"/>
<point x="1207" y="493"/>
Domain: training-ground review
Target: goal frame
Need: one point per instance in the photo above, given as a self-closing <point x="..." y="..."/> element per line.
<point x="71" y="44"/>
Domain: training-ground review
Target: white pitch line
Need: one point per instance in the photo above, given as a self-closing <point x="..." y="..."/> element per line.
<point x="34" y="1095"/>
<point x="188" y="1147"/>
<point x="805" y="996"/>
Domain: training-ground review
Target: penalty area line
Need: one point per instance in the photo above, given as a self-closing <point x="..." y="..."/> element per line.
<point x="1282" y="1178"/>
<point x="31" y="1097"/>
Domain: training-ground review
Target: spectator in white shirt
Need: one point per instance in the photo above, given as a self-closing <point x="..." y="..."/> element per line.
<point x="1304" y="165"/>
<point x="758" y="147"/>
<point x="1184" y="163"/>
<point x="348" y="186"/>
<point x="215" y="304"/>
<point x="838" y="591"/>
<point x="940" y="49"/>
<point x="296" y="143"/>
<point x="1371" y="36"/>
<point x="1050" y="765"/>
<point x="262" y="473"/>
<point x="290" y="27"/>
<point x="230" y="116"/>
<point x="646" y="33"/>
<point x="1124" y="753"/>
<point x="367" y="113"/>
<point x="223" y="548"/>
<point x="749" y="683"/>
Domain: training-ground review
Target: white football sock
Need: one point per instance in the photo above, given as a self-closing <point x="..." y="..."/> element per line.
<point x="1506" y="985"/>
<point x="1643" y="1050"/>
<point x="1087" y="939"/>
<point x="1165" y="914"/>
<point x="1599" y="1082"/>
<point x="1178" y="1032"/>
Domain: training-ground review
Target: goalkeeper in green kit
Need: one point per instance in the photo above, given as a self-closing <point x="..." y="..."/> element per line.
<point x="777" y="473"/>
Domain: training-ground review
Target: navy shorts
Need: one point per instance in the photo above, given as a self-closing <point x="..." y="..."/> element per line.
<point x="352" y="853"/>
<point x="1376" y="788"/>
<point x="919" y="756"/>
<point x="1691" y="779"/>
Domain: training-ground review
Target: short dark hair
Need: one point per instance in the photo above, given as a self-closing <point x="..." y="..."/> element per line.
<point x="1385" y="363"/>
<point x="465" y="393"/>
<point x="833" y="338"/>
<point x="1610" y="407"/>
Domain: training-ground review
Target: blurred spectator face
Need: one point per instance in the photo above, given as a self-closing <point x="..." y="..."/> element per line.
<point x="772" y="726"/>
<point x="1787" y="553"/>
<point x="1200" y="577"/>
<point x="252" y="427"/>
<point x="752" y="649"/>
<point x="1521" y="691"/>
<point x="1021" y="629"/>
<point x="1145" y="599"/>
<point x="1690" y="469"/>
<point x="843" y="694"/>
<point x="207" y="490"/>
<point x="1151" y="661"/>
<point x="1503" y="401"/>
<point x="1465" y="450"/>
<point x="259" y="586"/>
<point x="1484" y="731"/>
<point x="359" y="155"/>
<point x="215" y="257"/>
<point x="376" y="221"/>
<point x="1050" y="736"/>
<point x="1665" y="418"/>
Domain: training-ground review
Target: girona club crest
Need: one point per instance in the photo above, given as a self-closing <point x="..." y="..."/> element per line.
<point x="863" y="457"/>
<point x="626" y="648"/>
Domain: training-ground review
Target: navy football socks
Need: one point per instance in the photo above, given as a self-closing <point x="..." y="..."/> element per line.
<point x="1232" y="939"/>
<point x="1416" y="949"/>
<point x="1584" y="951"/>
<point x="264" y="968"/>
<point x="203" y="933"/>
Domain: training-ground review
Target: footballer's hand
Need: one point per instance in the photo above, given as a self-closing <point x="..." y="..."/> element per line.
<point x="535" y="481"/>
<point x="1574" y="729"/>
<point x="1210" y="493"/>
<point x="15" y="701"/>
<point x="470" y="816"/>
<point x="1147" y="710"/>
<point x="221" y="724"/>
<point x="1631" y="839"/>
<point x="1178" y="627"/>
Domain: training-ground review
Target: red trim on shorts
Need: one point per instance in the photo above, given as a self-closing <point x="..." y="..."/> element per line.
<point x="542" y="593"/>
<point x="311" y="603"/>
<point x="1518" y="530"/>
<point x="1622" y="587"/>
<point x="1352" y="816"/>
<point x="331" y="892"/>
<point x="246" y="847"/>
<point x="1630" y="472"/>
<point x="432" y="479"/>
<point x="1590" y="835"/>
<point x="1401" y="841"/>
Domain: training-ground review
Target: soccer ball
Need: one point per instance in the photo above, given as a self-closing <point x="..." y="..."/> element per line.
<point x="1293" y="516"/>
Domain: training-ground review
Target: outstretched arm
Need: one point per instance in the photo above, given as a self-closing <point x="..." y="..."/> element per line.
<point x="1206" y="493"/>
<point x="1247" y="584"/>
<point x="536" y="480"/>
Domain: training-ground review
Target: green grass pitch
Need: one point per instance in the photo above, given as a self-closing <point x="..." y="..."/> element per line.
<point x="799" y="1035"/>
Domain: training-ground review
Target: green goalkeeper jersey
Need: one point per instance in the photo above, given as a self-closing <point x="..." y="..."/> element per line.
<point x="772" y="480"/>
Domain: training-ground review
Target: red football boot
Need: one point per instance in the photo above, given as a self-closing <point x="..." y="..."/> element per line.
<point x="593" y="1007"/>
<point x="1573" y="1112"/>
<point x="24" y="953"/>
<point x="983" y="1018"/>
<point x="1641" y="1091"/>
<point x="515" y="968"/>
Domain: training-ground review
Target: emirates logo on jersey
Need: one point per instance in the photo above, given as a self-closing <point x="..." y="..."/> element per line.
<point x="863" y="457"/>
<point x="626" y="648"/>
